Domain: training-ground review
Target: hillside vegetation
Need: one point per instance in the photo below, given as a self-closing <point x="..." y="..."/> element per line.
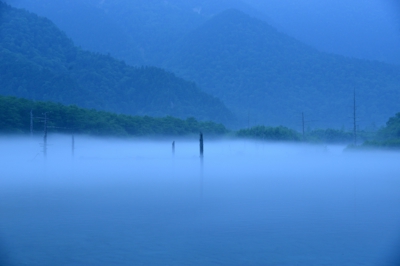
<point x="263" y="76"/>
<point x="388" y="136"/>
<point x="39" y="62"/>
<point x="15" y="118"/>
<point x="269" y="78"/>
<point x="141" y="32"/>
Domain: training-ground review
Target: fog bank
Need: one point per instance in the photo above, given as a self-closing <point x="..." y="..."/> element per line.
<point x="135" y="202"/>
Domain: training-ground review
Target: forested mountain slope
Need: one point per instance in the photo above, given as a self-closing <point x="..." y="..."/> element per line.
<point x="141" y="31"/>
<point x="38" y="61"/>
<point x="264" y="76"/>
<point x="269" y="78"/>
<point x="138" y="31"/>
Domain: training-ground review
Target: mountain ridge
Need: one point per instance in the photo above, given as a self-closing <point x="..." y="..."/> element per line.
<point x="259" y="72"/>
<point x="39" y="62"/>
<point x="270" y="78"/>
<point x="139" y="33"/>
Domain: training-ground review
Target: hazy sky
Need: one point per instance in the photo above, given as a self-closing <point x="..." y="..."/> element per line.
<point x="362" y="28"/>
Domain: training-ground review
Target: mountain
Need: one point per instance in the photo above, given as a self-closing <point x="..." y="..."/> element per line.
<point x="265" y="76"/>
<point x="39" y="62"/>
<point x="366" y="29"/>
<point x="269" y="78"/>
<point x="139" y="32"/>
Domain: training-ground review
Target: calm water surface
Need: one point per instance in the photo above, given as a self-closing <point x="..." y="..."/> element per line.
<point x="246" y="203"/>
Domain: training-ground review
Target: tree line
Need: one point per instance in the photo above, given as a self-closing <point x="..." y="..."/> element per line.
<point x="16" y="118"/>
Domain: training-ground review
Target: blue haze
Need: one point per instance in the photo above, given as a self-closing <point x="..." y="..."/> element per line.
<point x="368" y="29"/>
<point x="249" y="203"/>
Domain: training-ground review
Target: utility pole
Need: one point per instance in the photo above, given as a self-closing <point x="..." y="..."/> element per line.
<point x="303" y="124"/>
<point x="173" y="148"/>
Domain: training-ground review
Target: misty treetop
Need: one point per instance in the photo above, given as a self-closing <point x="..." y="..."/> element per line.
<point x="40" y="62"/>
<point x="392" y="129"/>
<point x="388" y="136"/>
<point x="15" y="118"/>
<point x="321" y="136"/>
<point x="269" y="133"/>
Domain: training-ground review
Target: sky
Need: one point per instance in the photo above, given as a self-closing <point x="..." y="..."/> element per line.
<point x="361" y="28"/>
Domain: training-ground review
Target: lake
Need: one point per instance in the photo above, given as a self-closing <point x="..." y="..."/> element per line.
<point x="134" y="202"/>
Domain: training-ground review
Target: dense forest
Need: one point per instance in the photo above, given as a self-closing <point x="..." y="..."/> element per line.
<point x="388" y="136"/>
<point x="40" y="62"/>
<point x="269" y="133"/>
<point x="319" y="136"/>
<point x="15" y="118"/>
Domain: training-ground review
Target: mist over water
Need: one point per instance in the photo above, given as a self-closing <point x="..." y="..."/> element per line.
<point x="134" y="202"/>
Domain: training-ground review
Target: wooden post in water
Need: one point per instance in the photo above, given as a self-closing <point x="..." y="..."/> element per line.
<point x="201" y="145"/>
<point x="201" y="164"/>
<point x="173" y="148"/>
